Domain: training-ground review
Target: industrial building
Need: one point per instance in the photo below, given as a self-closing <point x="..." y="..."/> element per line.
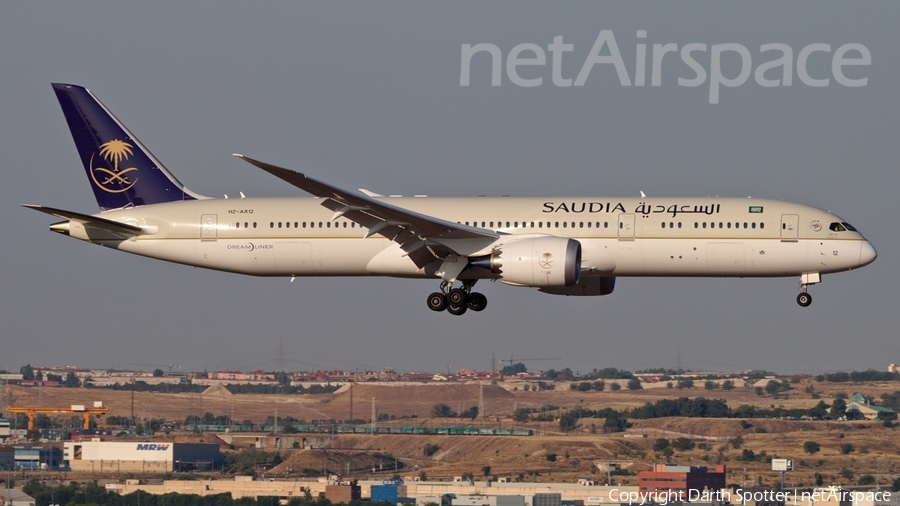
<point x="35" y="457"/>
<point x="868" y="410"/>
<point x="13" y="497"/>
<point x="144" y="457"/>
<point x="677" y="483"/>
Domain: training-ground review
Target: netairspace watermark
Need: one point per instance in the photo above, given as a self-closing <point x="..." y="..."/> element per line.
<point x="776" y="70"/>
<point x="741" y="496"/>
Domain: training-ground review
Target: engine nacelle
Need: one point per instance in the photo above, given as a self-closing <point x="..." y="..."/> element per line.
<point x="540" y="261"/>
<point x="588" y="286"/>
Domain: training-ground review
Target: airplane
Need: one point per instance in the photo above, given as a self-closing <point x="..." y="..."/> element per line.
<point x="573" y="246"/>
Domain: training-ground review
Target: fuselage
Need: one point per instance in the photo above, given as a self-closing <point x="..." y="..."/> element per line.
<point x="706" y="237"/>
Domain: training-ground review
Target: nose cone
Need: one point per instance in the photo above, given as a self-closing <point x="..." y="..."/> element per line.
<point x="867" y="254"/>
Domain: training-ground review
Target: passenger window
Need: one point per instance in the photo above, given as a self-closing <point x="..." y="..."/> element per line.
<point x="581" y="224"/>
<point x="320" y="224"/>
<point x="532" y="224"/>
<point x="729" y="224"/>
<point x="564" y="224"/>
<point x="663" y="224"/>
<point x="237" y="225"/>
<point x="304" y="224"/>
<point x="721" y="225"/>
<point x="557" y="225"/>
<point x="589" y="224"/>
<point x="287" y="225"/>
<point x="679" y="224"/>
<point x="762" y="225"/>
<point x="696" y="225"/>
<point x="254" y="224"/>
<point x="279" y="224"/>
<point x="540" y="224"/>
<point x="745" y="224"/>
<point x="271" y="224"/>
<point x="753" y="225"/>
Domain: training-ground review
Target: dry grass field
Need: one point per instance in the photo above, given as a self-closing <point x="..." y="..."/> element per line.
<point x="875" y="448"/>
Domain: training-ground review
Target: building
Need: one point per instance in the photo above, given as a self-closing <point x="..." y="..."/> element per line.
<point x="35" y="458"/>
<point x="390" y="491"/>
<point x="343" y="493"/>
<point x="869" y="411"/>
<point x="676" y="483"/>
<point x="13" y="497"/>
<point x="7" y="457"/>
<point x="144" y="457"/>
<point x="4" y="429"/>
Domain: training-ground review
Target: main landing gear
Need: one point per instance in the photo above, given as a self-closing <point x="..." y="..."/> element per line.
<point x="457" y="300"/>
<point x="804" y="298"/>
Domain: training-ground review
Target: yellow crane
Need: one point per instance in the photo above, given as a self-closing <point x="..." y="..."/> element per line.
<point x="86" y="412"/>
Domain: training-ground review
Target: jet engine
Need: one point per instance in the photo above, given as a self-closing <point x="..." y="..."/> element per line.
<point x="540" y="261"/>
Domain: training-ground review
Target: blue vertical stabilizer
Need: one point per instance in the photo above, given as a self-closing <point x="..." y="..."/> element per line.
<point x="122" y="172"/>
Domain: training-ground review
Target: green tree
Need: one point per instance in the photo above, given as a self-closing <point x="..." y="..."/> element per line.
<point x="685" y="383"/>
<point x="634" y="384"/>
<point x="486" y="470"/>
<point x="615" y="387"/>
<point x="660" y="444"/>
<point x="866" y="479"/>
<point x="27" y="372"/>
<point x="811" y="447"/>
<point x="710" y="385"/>
<point x="430" y="449"/>
<point x="442" y="410"/>
<point x="512" y="370"/>
<point x="521" y="415"/>
<point x="551" y="457"/>
<point x="71" y="380"/>
<point x="158" y="373"/>
<point x="838" y="408"/>
<point x="846" y="449"/>
<point x="683" y="444"/>
<point x="728" y="385"/>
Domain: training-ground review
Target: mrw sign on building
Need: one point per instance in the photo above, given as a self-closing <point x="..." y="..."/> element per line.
<point x="148" y="457"/>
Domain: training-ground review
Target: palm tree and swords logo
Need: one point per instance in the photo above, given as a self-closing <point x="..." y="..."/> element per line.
<point x="115" y="151"/>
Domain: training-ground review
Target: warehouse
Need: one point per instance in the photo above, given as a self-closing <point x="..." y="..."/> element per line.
<point x="144" y="457"/>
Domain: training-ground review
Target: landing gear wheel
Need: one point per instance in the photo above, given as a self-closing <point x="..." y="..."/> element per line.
<point x="457" y="310"/>
<point x="437" y="301"/>
<point x="804" y="299"/>
<point x="476" y="301"/>
<point x="457" y="297"/>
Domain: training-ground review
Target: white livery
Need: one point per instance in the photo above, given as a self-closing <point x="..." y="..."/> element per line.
<point x="562" y="246"/>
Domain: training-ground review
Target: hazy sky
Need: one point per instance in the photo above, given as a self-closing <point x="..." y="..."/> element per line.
<point x="368" y="95"/>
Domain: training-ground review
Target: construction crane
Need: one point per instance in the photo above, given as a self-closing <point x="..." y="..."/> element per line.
<point x="96" y="411"/>
<point x="512" y="360"/>
<point x="158" y="366"/>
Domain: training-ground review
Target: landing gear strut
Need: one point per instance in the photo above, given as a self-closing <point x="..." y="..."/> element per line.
<point x="457" y="301"/>
<point x="804" y="298"/>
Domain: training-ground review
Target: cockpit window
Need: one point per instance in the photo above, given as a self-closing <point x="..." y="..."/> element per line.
<point x="837" y="227"/>
<point x="849" y="226"/>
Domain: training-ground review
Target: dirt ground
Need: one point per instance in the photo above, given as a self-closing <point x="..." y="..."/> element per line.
<point x="548" y="455"/>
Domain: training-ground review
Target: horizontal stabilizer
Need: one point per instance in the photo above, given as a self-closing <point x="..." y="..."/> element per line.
<point x="112" y="226"/>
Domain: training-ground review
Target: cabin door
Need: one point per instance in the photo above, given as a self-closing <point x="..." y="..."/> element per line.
<point x="789" y="225"/>
<point x="626" y="227"/>
<point x="209" y="226"/>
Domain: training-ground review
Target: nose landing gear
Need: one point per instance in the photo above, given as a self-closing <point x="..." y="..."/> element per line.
<point x="804" y="298"/>
<point x="457" y="301"/>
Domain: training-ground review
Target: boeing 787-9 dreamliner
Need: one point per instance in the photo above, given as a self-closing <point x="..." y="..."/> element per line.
<point x="574" y="246"/>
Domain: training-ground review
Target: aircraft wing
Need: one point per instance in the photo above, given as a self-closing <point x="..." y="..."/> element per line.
<point x="419" y="235"/>
<point x="103" y="223"/>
